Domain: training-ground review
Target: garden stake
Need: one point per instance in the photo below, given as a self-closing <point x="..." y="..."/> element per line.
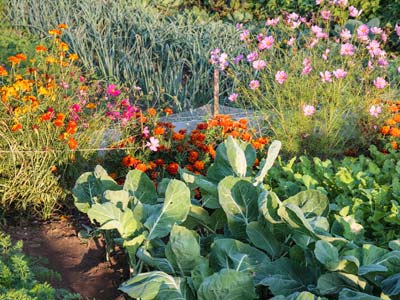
<point x="216" y="92"/>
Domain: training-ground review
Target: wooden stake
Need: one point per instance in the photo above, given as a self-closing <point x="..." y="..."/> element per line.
<point x="216" y="92"/>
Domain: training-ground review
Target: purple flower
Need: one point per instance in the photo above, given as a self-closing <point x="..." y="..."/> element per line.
<point x="308" y="110"/>
<point x="259" y="64"/>
<point x="233" y="97"/>
<point x="153" y="144"/>
<point x="347" y="49"/>
<point x="254" y="84"/>
<point x="266" y="43"/>
<point x="380" y="83"/>
<point x="252" y="56"/>
<point x="112" y="90"/>
<point x="339" y="73"/>
<point x="281" y="77"/>
<point x="238" y="58"/>
<point x="326" y="76"/>
<point x="214" y="56"/>
<point x="375" y="110"/>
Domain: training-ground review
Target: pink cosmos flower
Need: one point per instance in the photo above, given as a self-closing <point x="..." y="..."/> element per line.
<point x="376" y="30"/>
<point x="397" y="29"/>
<point x="354" y="12"/>
<point x="326" y="14"/>
<point x="318" y="2"/>
<point x="380" y="83"/>
<point x="153" y="144"/>
<point x="244" y="35"/>
<point x="341" y="3"/>
<point x="339" y="73"/>
<point x="307" y="69"/>
<point x="384" y="37"/>
<point x="374" y="48"/>
<point x="382" y="62"/>
<point x="254" y="84"/>
<point x="266" y="43"/>
<point x="64" y="85"/>
<point x="239" y="26"/>
<point x="308" y="110"/>
<point x="326" y="76"/>
<point x="362" y="32"/>
<point x="272" y="22"/>
<point x="398" y="70"/>
<point x="345" y="34"/>
<point x="112" y="90"/>
<point x="325" y="55"/>
<point x="375" y="110"/>
<point x="291" y="41"/>
<point x="146" y="132"/>
<point x="259" y="64"/>
<point x="347" y="49"/>
<point x="281" y="77"/>
<point x="252" y="56"/>
<point x="233" y="97"/>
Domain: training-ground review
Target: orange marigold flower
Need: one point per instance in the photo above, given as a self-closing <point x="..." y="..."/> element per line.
<point x="190" y="168"/>
<point x="210" y="150"/>
<point x="71" y="127"/>
<point x="141" y="167"/>
<point x="396" y="118"/>
<point x="395" y="146"/>
<point x="154" y="175"/>
<point x="90" y="105"/>
<point x="193" y="156"/>
<point x="62" y="26"/>
<point x="21" y="56"/>
<point x="63" y="46"/>
<point x="58" y="122"/>
<point x="256" y="162"/>
<point x="128" y="161"/>
<point x="14" y="60"/>
<point x="235" y="134"/>
<point x="73" y="56"/>
<point x="72" y="143"/>
<point x="151" y="111"/>
<point x="177" y="136"/>
<point x="53" y="168"/>
<point x="168" y="111"/>
<point x="159" y="130"/>
<point x="172" y="168"/>
<point x="16" y="127"/>
<point x="395" y="132"/>
<point x="41" y="48"/>
<point x="159" y="162"/>
<point x="199" y="165"/>
<point x="246" y="137"/>
<point x="262" y="140"/>
<point x="257" y="145"/>
<point x="151" y="165"/>
<point x="393" y="108"/>
<point x="202" y="126"/>
<point x="3" y="71"/>
<point x="55" y="32"/>
<point x="391" y="122"/>
<point x="213" y="123"/>
<point x="385" y="130"/>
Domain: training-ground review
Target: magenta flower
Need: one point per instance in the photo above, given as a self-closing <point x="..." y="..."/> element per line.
<point x="340" y="73"/>
<point x="76" y="107"/>
<point x="238" y="58"/>
<point x="266" y="43"/>
<point x="233" y="97"/>
<point x="254" y="84"/>
<point x="326" y="76"/>
<point x="326" y="14"/>
<point x="112" y="90"/>
<point x="308" y="110"/>
<point x="380" y="83"/>
<point x="252" y="56"/>
<point x="347" y="49"/>
<point x="259" y="64"/>
<point x="281" y="77"/>
<point x="398" y="70"/>
<point x="153" y="144"/>
<point x="375" y="110"/>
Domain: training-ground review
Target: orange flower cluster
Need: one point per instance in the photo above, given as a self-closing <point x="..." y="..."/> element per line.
<point x="193" y="150"/>
<point x="391" y="129"/>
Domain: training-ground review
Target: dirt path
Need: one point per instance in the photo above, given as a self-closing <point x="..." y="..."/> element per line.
<point x="81" y="265"/>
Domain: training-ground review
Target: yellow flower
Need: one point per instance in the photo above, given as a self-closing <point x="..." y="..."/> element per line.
<point x="50" y="59"/>
<point x="43" y="91"/>
<point x="73" y="56"/>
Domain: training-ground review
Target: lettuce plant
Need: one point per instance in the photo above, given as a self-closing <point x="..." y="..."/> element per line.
<point x="239" y="240"/>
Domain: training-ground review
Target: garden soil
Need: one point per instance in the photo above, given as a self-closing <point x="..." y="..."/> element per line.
<point x="82" y="264"/>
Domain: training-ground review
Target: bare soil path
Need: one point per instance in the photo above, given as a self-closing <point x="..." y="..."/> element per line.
<point x="82" y="266"/>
